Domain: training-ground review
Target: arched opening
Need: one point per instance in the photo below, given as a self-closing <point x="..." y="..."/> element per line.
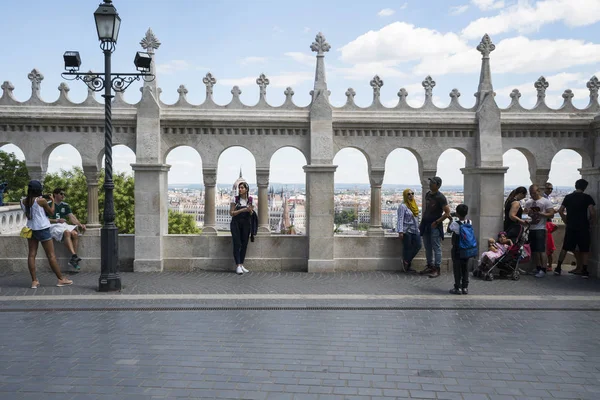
<point x="63" y="158"/>
<point x="233" y="162"/>
<point x="401" y="172"/>
<point x="185" y="191"/>
<point x="13" y="174"/>
<point x="287" y="192"/>
<point x="564" y="171"/>
<point x="518" y="169"/>
<point x="449" y="169"/>
<point x="352" y="191"/>
<point x="122" y="157"/>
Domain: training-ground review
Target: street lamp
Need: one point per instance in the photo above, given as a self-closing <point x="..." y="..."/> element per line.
<point x="108" y="23"/>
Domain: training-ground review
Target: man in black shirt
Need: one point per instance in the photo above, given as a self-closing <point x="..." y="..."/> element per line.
<point x="579" y="218"/>
<point x="436" y="211"/>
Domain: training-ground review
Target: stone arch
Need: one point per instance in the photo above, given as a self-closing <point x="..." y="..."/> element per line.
<point x="9" y="147"/>
<point x="238" y="157"/>
<point x="412" y="151"/>
<point x="362" y="151"/>
<point x="289" y="146"/>
<point x="570" y="161"/>
<point x="187" y="157"/>
<point x="70" y="152"/>
<point x="100" y="155"/>
<point x="515" y="167"/>
<point x="445" y="166"/>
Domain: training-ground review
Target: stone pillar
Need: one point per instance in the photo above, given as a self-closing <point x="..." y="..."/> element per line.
<point x="262" y="180"/>
<point x="376" y="180"/>
<point x="542" y="176"/>
<point x="210" y="211"/>
<point x="36" y="172"/>
<point x="319" y="212"/>
<point x="485" y="200"/>
<point x="151" y="215"/>
<point x="425" y="175"/>
<point x="592" y="175"/>
<point x="93" y="221"/>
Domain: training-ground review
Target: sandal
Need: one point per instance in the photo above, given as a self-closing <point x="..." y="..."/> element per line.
<point x="64" y="282"/>
<point x="35" y="284"/>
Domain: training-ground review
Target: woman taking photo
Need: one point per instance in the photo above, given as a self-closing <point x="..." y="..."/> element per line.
<point x="35" y="208"/>
<point x="513" y="212"/>
<point x="408" y="229"/>
<point x="241" y="210"/>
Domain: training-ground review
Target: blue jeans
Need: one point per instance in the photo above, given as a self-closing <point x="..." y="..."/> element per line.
<point x="432" y="239"/>
<point x="411" y="244"/>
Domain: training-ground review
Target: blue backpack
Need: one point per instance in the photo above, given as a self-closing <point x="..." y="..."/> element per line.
<point x="467" y="242"/>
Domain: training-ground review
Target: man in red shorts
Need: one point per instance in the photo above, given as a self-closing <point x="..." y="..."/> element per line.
<point x="579" y="219"/>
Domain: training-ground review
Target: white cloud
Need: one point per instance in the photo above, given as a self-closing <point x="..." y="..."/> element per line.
<point x="253" y="60"/>
<point x="386" y="12"/>
<point x="515" y="55"/>
<point x="401" y="42"/>
<point x="403" y="6"/>
<point x="306" y="29"/>
<point x="282" y="80"/>
<point x="368" y="70"/>
<point x="486" y="5"/>
<point x="302" y="58"/>
<point x="524" y="17"/>
<point x="173" y="66"/>
<point x="457" y="10"/>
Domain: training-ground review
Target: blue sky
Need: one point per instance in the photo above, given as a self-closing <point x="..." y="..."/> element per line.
<point x="401" y="41"/>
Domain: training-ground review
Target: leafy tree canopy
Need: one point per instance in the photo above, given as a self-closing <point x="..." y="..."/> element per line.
<point x="14" y="172"/>
<point x="180" y="223"/>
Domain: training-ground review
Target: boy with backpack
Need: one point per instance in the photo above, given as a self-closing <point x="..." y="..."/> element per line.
<point x="464" y="247"/>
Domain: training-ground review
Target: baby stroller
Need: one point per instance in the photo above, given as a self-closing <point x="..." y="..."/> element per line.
<point x="507" y="264"/>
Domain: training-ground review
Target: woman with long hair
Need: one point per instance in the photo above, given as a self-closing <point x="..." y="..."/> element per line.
<point x="513" y="212"/>
<point x="408" y="229"/>
<point x="35" y="208"/>
<point x="241" y="209"/>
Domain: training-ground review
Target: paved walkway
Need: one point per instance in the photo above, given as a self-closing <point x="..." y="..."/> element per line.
<point x="299" y="336"/>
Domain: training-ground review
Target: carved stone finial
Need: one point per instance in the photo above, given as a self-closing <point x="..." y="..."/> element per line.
<point x="262" y="81"/>
<point x="486" y="46"/>
<point x="568" y="95"/>
<point x="289" y="92"/>
<point x="209" y="80"/>
<point x="593" y="85"/>
<point x="403" y="94"/>
<point x="150" y="42"/>
<point x="515" y="94"/>
<point x="36" y="79"/>
<point x="428" y="84"/>
<point x="7" y="86"/>
<point x="541" y="85"/>
<point x="376" y="83"/>
<point x="236" y="92"/>
<point x="454" y="94"/>
<point x="350" y="93"/>
<point x="63" y="88"/>
<point x="182" y="90"/>
<point x="320" y="45"/>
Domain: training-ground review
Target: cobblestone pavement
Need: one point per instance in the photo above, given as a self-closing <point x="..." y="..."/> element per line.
<point x="299" y="336"/>
<point x="454" y="355"/>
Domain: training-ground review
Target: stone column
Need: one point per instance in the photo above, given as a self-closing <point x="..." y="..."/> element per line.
<point x="376" y="180"/>
<point x="485" y="199"/>
<point x="210" y="211"/>
<point x="36" y="172"/>
<point x="262" y="180"/>
<point x="319" y="212"/>
<point x="93" y="221"/>
<point x="425" y="175"/>
<point x="541" y="177"/>
<point x="592" y="175"/>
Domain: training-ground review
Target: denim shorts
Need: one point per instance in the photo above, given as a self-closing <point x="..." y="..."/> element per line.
<point x="43" y="235"/>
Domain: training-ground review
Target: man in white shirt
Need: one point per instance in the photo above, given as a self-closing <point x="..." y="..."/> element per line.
<point x="539" y="209"/>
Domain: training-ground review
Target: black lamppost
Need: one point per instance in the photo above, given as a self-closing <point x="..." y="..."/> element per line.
<point x="108" y="23"/>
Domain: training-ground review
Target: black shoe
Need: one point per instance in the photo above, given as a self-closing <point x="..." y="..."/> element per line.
<point x="455" y="291"/>
<point x="585" y="275"/>
<point x="428" y="269"/>
<point x="557" y="271"/>
<point x="465" y="291"/>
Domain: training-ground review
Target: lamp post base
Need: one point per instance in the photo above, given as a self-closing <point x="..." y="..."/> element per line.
<point x="110" y="280"/>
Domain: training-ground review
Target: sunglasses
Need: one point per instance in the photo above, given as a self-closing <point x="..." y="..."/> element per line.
<point x="63" y="194"/>
<point x="411" y="194"/>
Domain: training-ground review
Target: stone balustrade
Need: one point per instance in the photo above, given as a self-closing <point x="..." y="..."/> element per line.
<point x="12" y="219"/>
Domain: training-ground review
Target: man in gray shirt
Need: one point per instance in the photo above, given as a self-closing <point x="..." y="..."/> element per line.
<point x="539" y="209"/>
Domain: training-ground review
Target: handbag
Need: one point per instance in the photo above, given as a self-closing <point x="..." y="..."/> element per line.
<point x="26" y="233"/>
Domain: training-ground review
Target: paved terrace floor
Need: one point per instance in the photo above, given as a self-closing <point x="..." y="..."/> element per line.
<point x="299" y="336"/>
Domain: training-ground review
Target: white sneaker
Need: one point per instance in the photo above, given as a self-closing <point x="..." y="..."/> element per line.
<point x="540" y="274"/>
<point x="239" y="270"/>
<point x="244" y="269"/>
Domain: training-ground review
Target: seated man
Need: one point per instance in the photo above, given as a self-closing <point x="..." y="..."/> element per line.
<point x="63" y="232"/>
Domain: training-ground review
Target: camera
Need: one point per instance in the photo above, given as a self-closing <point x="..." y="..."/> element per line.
<point x="46" y="196"/>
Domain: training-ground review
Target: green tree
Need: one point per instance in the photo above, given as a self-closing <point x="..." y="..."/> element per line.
<point x="181" y="223"/>
<point x="14" y="172"/>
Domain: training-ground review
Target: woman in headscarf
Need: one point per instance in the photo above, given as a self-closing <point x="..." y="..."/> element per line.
<point x="408" y="229"/>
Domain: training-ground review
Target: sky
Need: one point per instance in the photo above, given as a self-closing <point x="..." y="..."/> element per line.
<point x="402" y="41"/>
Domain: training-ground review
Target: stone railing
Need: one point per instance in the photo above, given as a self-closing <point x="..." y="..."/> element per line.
<point x="12" y="219"/>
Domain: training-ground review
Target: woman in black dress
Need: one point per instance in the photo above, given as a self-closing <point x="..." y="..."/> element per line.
<point x="513" y="212"/>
